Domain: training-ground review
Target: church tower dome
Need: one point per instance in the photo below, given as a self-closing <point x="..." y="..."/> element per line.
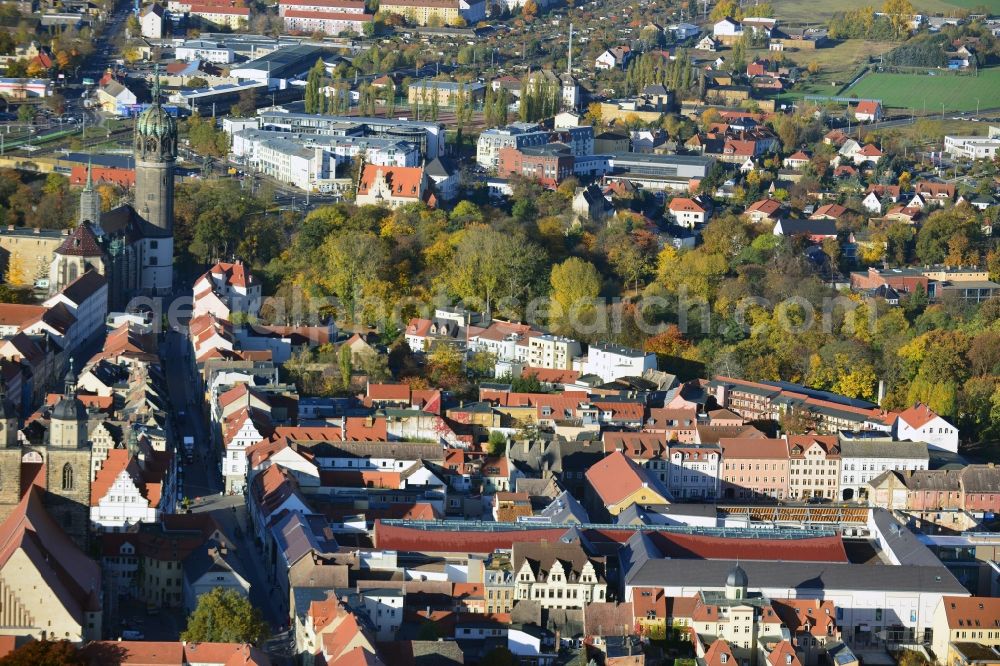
<point x="155" y="147"/>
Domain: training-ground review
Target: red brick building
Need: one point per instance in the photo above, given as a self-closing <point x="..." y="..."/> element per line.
<point x="549" y="164"/>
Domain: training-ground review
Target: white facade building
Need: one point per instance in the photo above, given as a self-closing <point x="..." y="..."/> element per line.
<point x="972" y="147"/>
<point x="200" y="49"/>
<point x="870" y="599"/>
<point x="693" y="471"/>
<point x="305" y="21"/>
<point x="921" y="424"/>
<point x="151" y="21"/>
<point x="515" y="135"/>
<point x="862" y="459"/>
<point x="610" y="362"/>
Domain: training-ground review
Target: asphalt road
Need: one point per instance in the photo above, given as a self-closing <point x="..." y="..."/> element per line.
<point x="203" y="483"/>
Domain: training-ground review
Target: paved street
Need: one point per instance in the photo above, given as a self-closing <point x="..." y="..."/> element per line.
<point x="203" y="481"/>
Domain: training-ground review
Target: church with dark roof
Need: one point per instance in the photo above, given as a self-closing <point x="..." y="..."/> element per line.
<point x="132" y="245"/>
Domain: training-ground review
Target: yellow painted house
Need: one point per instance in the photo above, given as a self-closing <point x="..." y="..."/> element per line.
<point x="616" y="483"/>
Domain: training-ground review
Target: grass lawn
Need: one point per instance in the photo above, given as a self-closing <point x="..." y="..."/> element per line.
<point x="913" y="91"/>
<point x="810" y="11"/>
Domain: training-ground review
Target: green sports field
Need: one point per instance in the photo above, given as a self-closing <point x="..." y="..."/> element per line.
<point x="920" y="91"/>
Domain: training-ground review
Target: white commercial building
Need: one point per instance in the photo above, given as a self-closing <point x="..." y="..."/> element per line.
<point x="871" y="600"/>
<point x="920" y="424"/>
<point x="972" y="147"/>
<point x="202" y="49"/>
<point x="862" y="458"/>
<point x="311" y="161"/>
<point x="515" y="135"/>
<point x="610" y="362"/>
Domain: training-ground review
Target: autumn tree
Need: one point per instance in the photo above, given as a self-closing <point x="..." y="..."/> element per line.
<point x="530" y="10"/>
<point x="575" y="286"/>
<point x="45" y="653"/>
<point x="900" y="13"/>
<point x="352" y="262"/>
<point x="16" y="274"/>
<point x="223" y="615"/>
<point x="725" y="8"/>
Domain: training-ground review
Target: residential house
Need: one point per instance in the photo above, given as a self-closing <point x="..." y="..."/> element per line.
<point x="616" y="483"/>
<point x="610" y="362"/>
<point x="754" y="468"/>
<point x="796" y="160"/>
<point x="557" y="575"/>
<point x="687" y="212"/>
<point x="813" y="467"/>
<point x="959" y="621"/>
<point x="589" y="203"/>
<point x="868" y="111"/>
<point x="763" y="210"/>
<point x="615" y="57"/>
<point x="226" y="288"/>
<point x="151" y="19"/>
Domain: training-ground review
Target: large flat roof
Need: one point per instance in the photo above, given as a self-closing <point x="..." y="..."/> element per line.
<point x="649" y="158"/>
<point x="819" y="576"/>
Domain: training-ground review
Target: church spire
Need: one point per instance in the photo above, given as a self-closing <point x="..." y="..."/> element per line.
<point x="69" y="388"/>
<point x="156" y="84"/>
<point x="89" y="185"/>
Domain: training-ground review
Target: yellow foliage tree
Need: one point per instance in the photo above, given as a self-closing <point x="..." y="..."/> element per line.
<point x="16" y="274"/>
<point x="108" y="196"/>
<point x="530" y="10"/>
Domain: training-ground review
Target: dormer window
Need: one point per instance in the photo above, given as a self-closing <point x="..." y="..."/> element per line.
<point x="724" y="659"/>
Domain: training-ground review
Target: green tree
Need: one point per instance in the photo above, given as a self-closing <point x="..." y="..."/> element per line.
<point x="496" y="445"/>
<point x="575" y="286"/>
<point x="25" y="113"/>
<point x="344" y="363"/>
<point x="352" y="261"/>
<point x="314" y="81"/>
<point x="225" y="616"/>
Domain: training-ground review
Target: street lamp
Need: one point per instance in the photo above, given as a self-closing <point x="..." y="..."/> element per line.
<point x="977" y="106"/>
<point x="942" y="110"/>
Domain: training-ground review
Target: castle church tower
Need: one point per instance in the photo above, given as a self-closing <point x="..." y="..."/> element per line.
<point x="67" y="461"/>
<point x="155" y="154"/>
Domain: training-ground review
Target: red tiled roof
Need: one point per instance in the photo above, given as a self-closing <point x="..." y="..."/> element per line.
<point x="867" y="107"/>
<point x="615" y="477"/>
<point x="720" y="654"/>
<point x="81" y="243"/>
<point x="683" y="204"/>
<point x="394" y="392"/>
<point x="328" y="16"/>
<point x="551" y="375"/>
<point x="402" y="181"/>
<point x="217" y="9"/>
<point x="341" y="4"/>
<point x="766" y="206"/>
<point x="829" y="210"/>
<point x="918" y="416"/>
<point x="971" y="612"/>
<point x="13" y="314"/>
